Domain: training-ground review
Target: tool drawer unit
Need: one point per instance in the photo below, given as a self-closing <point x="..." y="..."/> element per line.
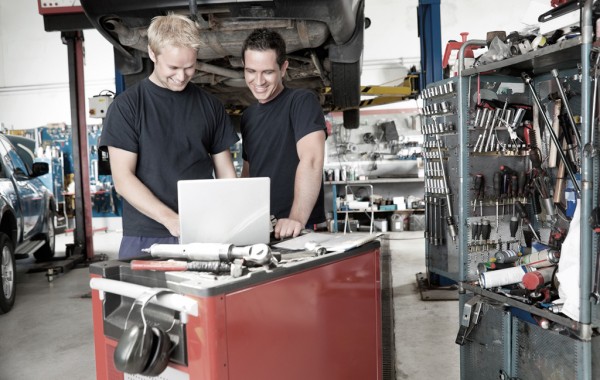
<point x="510" y="170"/>
<point x="308" y="318"/>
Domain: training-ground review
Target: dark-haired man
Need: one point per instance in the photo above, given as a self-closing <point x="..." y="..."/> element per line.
<point x="283" y="136"/>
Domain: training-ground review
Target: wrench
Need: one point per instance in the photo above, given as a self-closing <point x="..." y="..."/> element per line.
<point x="257" y="253"/>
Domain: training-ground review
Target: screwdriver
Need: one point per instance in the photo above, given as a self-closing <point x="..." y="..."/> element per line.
<point x="497" y="192"/>
<point x="523" y="214"/>
<point x="476" y="231"/>
<point x="505" y="190"/>
<point x="522" y="182"/>
<point x="514" y="187"/>
<point x="536" y="160"/>
<point x="507" y="169"/>
<point x="486" y="231"/>
<point x="514" y="226"/>
<point x="478" y="187"/>
<point x="178" y="265"/>
<point x="481" y="195"/>
<point x="507" y="173"/>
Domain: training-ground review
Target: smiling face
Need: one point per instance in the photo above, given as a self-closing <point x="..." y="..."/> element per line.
<point x="174" y="67"/>
<point x="263" y="75"/>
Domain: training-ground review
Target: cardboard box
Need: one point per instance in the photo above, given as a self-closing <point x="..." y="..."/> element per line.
<point x="400" y="202"/>
<point x="380" y="225"/>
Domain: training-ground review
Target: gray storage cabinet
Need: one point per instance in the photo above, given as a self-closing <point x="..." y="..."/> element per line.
<point x="501" y="336"/>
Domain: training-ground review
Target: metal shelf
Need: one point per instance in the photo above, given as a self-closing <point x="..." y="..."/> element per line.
<point x="562" y="320"/>
<point x="562" y="55"/>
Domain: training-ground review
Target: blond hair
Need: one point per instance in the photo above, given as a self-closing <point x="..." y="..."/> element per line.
<point x="173" y="30"/>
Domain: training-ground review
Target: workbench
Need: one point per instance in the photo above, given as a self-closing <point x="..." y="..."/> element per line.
<point x="310" y="317"/>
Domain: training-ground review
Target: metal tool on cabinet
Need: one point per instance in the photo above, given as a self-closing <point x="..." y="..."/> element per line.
<point x="446" y="189"/>
<point x="470" y="317"/>
<point x="528" y="81"/>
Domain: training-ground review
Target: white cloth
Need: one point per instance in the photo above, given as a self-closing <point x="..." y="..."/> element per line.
<point x="568" y="268"/>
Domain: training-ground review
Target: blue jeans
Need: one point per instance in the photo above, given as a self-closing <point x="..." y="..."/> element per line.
<point x="131" y="246"/>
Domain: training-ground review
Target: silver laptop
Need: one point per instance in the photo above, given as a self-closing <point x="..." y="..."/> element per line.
<point x="232" y="211"/>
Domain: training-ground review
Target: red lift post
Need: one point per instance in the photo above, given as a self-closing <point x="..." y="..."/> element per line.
<point x="70" y="21"/>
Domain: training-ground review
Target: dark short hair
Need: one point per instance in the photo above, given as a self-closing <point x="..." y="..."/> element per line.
<point x="265" y="39"/>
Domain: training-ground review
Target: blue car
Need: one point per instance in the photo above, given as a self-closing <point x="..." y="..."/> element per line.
<point x="27" y="212"/>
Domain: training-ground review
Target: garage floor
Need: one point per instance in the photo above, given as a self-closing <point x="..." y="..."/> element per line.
<point x="49" y="332"/>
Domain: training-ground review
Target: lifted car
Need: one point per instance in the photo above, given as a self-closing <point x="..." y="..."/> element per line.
<point x="27" y="212"/>
<point x="324" y="43"/>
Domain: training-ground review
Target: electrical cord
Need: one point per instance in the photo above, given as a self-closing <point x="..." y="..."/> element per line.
<point x="107" y="93"/>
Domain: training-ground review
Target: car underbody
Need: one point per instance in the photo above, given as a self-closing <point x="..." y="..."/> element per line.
<point x="324" y="49"/>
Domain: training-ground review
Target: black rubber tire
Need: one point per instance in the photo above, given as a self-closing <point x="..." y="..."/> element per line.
<point x="46" y="252"/>
<point x="8" y="289"/>
<point x="345" y="84"/>
<point x="351" y="119"/>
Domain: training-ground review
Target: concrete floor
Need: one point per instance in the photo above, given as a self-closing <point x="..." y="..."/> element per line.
<point x="49" y="332"/>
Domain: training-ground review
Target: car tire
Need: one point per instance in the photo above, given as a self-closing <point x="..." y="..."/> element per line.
<point x="7" y="274"/>
<point x="351" y="118"/>
<point x="46" y="252"/>
<point x="345" y="84"/>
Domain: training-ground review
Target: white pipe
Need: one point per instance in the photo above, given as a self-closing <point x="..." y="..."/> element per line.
<point x="173" y="301"/>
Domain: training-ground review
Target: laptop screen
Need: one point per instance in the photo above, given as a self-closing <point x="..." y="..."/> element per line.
<point x="229" y="211"/>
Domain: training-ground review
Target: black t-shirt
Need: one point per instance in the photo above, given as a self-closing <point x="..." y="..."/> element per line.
<point x="173" y="134"/>
<point x="270" y="132"/>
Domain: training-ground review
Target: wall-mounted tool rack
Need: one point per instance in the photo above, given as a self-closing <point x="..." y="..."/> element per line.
<point x="509" y="158"/>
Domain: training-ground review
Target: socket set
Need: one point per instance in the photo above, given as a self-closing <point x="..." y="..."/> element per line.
<point x="439" y="109"/>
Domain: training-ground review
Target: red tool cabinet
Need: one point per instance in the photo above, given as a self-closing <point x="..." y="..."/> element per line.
<point x="309" y="318"/>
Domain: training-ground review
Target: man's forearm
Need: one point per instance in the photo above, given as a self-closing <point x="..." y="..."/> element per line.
<point x="140" y="197"/>
<point x="307" y="186"/>
<point x="224" y="165"/>
<point x="123" y="167"/>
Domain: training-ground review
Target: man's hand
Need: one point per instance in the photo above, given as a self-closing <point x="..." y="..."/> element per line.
<point x="287" y="228"/>
<point x="123" y="165"/>
<point x="172" y="224"/>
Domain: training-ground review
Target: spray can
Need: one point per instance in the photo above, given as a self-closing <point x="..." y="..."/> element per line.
<point x="503" y="277"/>
<point x="540" y="259"/>
<point x="492" y="265"/>
<point x="507" y="256"/>
<point x="536" y="279"/>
